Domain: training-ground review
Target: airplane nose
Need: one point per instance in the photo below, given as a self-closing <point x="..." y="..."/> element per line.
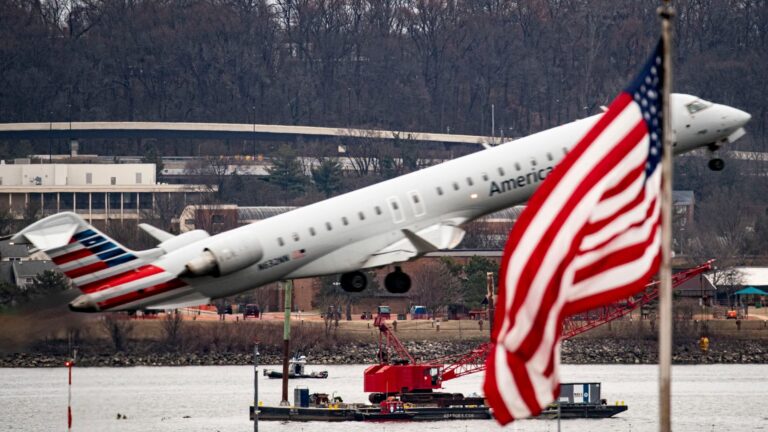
<point x="735" y="117"/>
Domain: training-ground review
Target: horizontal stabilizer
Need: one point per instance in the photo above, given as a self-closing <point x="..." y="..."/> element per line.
<point x="155" y="232"/>
<point x="52" y="232"/>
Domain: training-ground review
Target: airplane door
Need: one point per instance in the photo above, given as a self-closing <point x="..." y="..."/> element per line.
<point x="397" y="209"/>
<point x="417" y="203"/>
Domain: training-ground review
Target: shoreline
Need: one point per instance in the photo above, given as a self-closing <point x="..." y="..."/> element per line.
<point x="574" y="351"/>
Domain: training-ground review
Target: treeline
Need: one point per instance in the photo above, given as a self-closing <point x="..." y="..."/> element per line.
<point x="430" y="65"/>
<point x="486" y="67"/>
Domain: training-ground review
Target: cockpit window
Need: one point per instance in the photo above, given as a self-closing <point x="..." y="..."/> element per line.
<point x="697" y="105"/>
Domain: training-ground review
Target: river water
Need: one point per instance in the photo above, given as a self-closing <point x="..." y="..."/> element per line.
<point x="216" y="398"/>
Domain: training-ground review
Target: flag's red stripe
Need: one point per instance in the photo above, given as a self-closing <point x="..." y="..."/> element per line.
<point x="579" y="275"/>
<point x="141" y="294"/>
<point x="594" y="227"/>
<point x="545" y="189"/>
<point x="90" y="268"/>
<point x="621" y="292"/>
<point x="78" y="254"/>
<point x="529" y="272"/>
<point x="523" y="383"/>
<point x="121" y="278"/>
<point x="617" y="258"/>
<point x="627" y="181"/>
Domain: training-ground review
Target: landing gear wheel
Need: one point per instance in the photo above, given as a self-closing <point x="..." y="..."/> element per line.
<point x="716" y="164"/>
<point x="397" y="282"/>
<point x="353" y="281"/>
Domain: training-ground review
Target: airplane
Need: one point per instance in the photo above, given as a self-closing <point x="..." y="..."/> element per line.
<point x="376" y="226"/>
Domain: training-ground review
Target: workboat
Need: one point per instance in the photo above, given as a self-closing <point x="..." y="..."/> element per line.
<point x="296" y="370"/>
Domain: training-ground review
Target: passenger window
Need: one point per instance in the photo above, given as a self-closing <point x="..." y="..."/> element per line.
<point x="455" y="186"/>
<point x="501" y="171"/>
<point x="549" y="156"/>
<point x="344" y="220"/>
<point x="328" y="226"/>
<point x="311" y="231"/>
<point x="565" y="150"/>
<point x="485" y="177"/>
<point x="378" y="210"/>
<point x="397" y="213"/>
<point x="280" y="241"/>
<point x="469" y="181"/>
<point x="533" y="162"/>
<point x="517" y="166"/>
<point x="439" y="190"/>
<point x="295" y="237"/>
<point x="418" y="207"/>
<point x="361" y="215"/>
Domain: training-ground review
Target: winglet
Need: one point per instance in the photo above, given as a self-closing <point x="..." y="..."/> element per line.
<point x="155" y="232"/>
<point x="422" y="246"/>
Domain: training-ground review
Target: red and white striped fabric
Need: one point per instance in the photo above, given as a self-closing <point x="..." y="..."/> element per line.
<point x="591" y="234"/>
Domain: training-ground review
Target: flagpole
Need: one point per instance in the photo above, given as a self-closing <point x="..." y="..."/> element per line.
<point x="665" y="272"/>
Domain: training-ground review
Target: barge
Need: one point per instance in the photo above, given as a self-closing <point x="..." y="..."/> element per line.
<point x="577" y="400"/>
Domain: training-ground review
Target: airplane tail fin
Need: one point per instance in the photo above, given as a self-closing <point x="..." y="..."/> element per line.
<point x="80" y="251"/>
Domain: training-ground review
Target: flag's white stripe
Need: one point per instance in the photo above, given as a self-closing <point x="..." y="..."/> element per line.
<point x="620" y="275"/>
<point x="627" y="218"/>
<point x="610" y="206"/>
<point x="628" y="236"/>
<point x="506" y="385"/>
<point x="603" y="144"/>
<point x="543" y="385"/>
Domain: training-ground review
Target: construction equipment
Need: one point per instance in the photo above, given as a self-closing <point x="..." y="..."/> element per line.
<point x="399" y="373"/>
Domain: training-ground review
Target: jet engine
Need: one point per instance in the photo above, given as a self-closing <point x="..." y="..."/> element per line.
<point x="227" y="255"/>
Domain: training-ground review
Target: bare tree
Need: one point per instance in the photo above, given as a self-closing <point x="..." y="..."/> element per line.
<point x="172" y="328"/>
<point x="435" y="287"/>
<point x="118" y="327"/>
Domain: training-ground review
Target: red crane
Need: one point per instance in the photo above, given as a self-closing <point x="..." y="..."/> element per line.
<point x="398" y="372"/>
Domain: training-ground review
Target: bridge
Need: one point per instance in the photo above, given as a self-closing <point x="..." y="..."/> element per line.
<point x="84" y="130"/>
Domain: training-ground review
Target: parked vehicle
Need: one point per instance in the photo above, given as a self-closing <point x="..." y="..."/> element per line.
<point x="384" y="312"/>
<point x="419" y="312"/>
<point x="251" y="310"/>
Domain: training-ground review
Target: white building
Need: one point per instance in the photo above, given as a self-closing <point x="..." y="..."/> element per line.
<point x="96" y="191"/>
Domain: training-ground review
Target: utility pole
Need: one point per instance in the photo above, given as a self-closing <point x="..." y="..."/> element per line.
<point x="666" y="12"/>
<point x="256" y="387"/>
<point x="288" y="290"/>
<point x="489" y="284"/>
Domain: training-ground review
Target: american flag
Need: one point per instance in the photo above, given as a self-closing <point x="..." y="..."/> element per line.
<point x="591" y="234"/>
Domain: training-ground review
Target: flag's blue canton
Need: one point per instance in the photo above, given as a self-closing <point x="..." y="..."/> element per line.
<point x="646" y="92"/>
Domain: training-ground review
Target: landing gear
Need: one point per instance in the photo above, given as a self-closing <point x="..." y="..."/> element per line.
<point x="397" y="282"/>
<point x="353" y="281"/>
<point x="716" y="164"/>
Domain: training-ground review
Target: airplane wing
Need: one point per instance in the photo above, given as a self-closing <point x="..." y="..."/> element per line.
<point x="430" y="239"/>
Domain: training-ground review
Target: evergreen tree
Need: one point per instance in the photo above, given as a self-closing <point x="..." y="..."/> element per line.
<point x="287" y="173"/>
<point x="327" y="177"/>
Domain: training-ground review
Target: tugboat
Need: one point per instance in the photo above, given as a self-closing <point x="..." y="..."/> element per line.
<point x="296" y="370"/>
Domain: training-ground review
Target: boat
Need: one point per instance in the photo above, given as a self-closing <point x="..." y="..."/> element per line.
<point x="296" y="370"/>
